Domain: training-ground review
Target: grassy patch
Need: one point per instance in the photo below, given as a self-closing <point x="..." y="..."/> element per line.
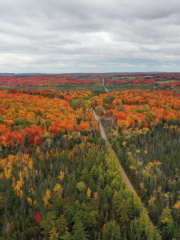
<point x="167" y="81"/>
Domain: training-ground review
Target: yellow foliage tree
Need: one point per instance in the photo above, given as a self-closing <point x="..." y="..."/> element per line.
<point x="35" y="203"/>
<point x="61" y="176"/>
<point x="96" y="197"/>
<point x="89" y="193"/>
<point x="8" y="173"/>
<point x="21" y="193"/>
<point x="30" y="202"/>
<point x="47" y="197"/>
<point x="58" y="189"/>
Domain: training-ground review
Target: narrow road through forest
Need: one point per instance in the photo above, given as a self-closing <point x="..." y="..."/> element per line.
<point x="124" y="176"/>
<point x="103" y="135"/>
<point x="106" y="90"/>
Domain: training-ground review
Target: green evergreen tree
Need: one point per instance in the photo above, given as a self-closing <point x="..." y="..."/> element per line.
<point x="112" y="232"/>
<point x="79" y="232"/>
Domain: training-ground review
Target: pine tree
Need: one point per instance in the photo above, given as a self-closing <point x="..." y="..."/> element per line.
<point x="66" y="236"/>
<point x="112" y="232"/>
<point x="78" y="231"/>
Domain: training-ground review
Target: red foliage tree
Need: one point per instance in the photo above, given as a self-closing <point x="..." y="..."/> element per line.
<point x="121" y="115"/>
<point x="37" y="217"/>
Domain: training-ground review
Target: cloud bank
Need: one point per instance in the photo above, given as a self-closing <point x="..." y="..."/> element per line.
<point x="60" y="36"/>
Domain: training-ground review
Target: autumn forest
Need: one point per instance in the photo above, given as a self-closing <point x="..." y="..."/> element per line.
<point x="60" y="179"/>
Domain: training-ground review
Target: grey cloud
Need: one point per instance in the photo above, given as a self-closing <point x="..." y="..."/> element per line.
<point x="78" y="36"/>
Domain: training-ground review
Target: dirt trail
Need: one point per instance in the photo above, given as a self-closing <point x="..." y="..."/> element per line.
<point x="103" y="135"/>
<point x="106" y="90"/>
<point x="124" y="176"/>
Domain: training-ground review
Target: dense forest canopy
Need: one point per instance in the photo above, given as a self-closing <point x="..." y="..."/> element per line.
<point x="60" y="180"/>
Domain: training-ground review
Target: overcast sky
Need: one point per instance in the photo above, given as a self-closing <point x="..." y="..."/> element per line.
<point x="57" y="36"/>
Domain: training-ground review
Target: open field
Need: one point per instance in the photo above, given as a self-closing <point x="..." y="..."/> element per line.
<point x="96" y="88"/>
<point x="166" y="81"/>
